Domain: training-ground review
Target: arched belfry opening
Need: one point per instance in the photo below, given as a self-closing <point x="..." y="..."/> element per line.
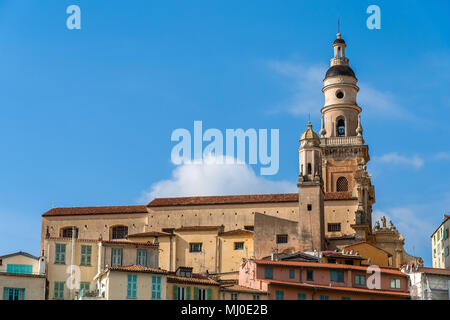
<point x="340" y="128"/>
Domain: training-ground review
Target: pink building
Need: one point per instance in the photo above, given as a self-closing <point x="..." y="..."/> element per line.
<point x="300" y="280"/>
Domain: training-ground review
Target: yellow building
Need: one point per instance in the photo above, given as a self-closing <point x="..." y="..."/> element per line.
<point x="22" y="277"/>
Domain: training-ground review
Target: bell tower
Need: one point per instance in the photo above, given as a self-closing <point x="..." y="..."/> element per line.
<point x="344" y="153"/>
<point x="311" y="195"/>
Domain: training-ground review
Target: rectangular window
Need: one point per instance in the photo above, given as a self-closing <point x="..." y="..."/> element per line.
<point x="60" y="253"/>
<point x="13" y="294"/>
<point x="132" y="286"/>
<point x="58" y="290"/>
<point x="19" y="268"/>
<point x="156" y="288"/>
<point x="256" y="297"/>
<point x="179" y="292"/>
<point x="84" y="287"/>
<point x="141" y="257"/>
<point x="195" y="247"/>
<point x="301" y="296"/>
<point x="291" y="274"/>
<point x="360" y="280"/>
<point x="324" y="298"/>
<point x="337" y="276"/>
<point x="234" y="296"/>
<point x="201" y="294"/>
<point x="349" y="262"/>
<point x="334" y="227"/>
<point x="238" y="246"/>
<point x="331" y="260"/>
<point x="279" y="295"/>
<point x="310" y="275"/>
<point x="268" y="273"/>
<point x="309" y="207"/>
<point x="395" y="283"/>
<point x="116" y="257"/>
<point x="345" y="298"/>
<point x="86" y="253"/>
<point x="282" y="238"/>
<point x="446" y="251"/>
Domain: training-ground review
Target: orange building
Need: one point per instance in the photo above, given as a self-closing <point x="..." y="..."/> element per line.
<point x="301" y="280"/>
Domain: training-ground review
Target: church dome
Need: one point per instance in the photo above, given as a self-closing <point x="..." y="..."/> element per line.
<point x="340" y="70"/>
<point x="309" y="134"/>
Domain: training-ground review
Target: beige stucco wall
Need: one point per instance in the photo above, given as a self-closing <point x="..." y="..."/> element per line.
<point x="231" y="259"/>
<point x="20" y="259"/>
<point x="343" y="212"/>
<point x="116" y="285"/>
<point x="34" y="287"/>
<point x="226" y="295"/>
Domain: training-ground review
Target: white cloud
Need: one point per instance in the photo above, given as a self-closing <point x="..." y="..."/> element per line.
<point x="307" y="96"/>
<point x="211" y="178"/>
<point x="442" y="156"/>
<point x="394" y="158"/>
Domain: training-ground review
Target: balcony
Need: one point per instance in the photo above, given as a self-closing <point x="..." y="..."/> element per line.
<point x="341" y="141"/>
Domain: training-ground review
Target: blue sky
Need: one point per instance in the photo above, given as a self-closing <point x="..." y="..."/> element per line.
<point x="86" y="115"/>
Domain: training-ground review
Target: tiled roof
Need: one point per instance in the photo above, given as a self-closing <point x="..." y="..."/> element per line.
<point x="130" y="243"/>
<point x="75" y="211"/>
<point x="392" y="271"/>
<point x="236" y="232"/>
<point x="347" y="289"/>
<point x="19" y="253"/>
<point x="70" y="239"/>
<point x="149" y="234"/>
<point x="437" y="271"/>
<point x="239" y="288"/>
<point x="239" y="199"/>
<point x="198" y="228"/>
<point x="134" y="268"/>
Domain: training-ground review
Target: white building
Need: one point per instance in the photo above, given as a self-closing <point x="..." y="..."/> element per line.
<point x="440" y="243"/>
<point x="428" y="283"/>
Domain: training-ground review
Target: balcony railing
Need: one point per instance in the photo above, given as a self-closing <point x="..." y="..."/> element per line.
<point x="341" y="141"/>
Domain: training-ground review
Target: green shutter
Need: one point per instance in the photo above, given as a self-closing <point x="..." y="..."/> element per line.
<point x="209" y="294"/>
<point x="195" y="293"/>
<point x="188" y="293"/>
<point x="5" y="294"/>
<point x="175" y="292"/>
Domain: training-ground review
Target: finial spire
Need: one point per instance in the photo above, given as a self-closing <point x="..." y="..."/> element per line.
<point x="339" y="25"/>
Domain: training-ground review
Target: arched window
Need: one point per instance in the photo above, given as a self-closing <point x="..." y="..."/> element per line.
<point x="66" y="232"/>
<point x="342" y="184"/>
<point x="309" y="168"/>
<point x="119" y="232"/>
<point x="340" y="128"/>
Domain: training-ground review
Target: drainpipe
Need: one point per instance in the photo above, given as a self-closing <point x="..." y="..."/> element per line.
<point x="170" y="254"/>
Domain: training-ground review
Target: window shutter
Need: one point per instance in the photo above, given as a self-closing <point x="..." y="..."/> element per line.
<point x="188" y="293"/>
<point x="195" y="293"/>
<point x="175" y="292"/>
<point x="5" y="294"/>
<point x="209" y="293"/>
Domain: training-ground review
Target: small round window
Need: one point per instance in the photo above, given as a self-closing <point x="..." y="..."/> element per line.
<point x="339" y="94"/>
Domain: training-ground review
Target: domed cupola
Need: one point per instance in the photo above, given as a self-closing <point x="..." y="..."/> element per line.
<point x="340" y="111"/>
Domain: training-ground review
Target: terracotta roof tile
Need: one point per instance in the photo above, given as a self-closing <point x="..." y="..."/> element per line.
<point x="392" y="271"/>
<point x="239" y="288"/>
<point x="347" y="289"/>
<point x="368" y="243"/>
<point x="135" y="268"/>
<point x="234" y="199"/>
<point x="437" y="271"/>
<point x="74" y="211"/>
<point x="195" y="279"/>
<point x="241" y="199"/>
